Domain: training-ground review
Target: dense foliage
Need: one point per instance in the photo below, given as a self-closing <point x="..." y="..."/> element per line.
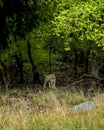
<point x="32" y="32"/>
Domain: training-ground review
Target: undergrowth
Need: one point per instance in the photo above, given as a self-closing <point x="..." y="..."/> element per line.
<point x="50" y="110"/>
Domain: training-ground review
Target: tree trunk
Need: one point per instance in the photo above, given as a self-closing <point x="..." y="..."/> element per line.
<point x="50" y="67"/>
<point x="20" y="66"/>
<point x="82" y="57"/>
<point x="6" y="76"/>
<point x="87" y="62"/>
<point x="36" y="78"/>
<point x="94" y="69"/>
<point x="75" y="62"/>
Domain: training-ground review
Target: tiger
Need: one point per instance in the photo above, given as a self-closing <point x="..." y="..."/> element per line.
<point x="50" y="80"/>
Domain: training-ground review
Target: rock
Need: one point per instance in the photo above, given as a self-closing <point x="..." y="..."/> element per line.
<point x="84" y="107"/>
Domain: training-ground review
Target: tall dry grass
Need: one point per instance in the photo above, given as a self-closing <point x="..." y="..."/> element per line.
<point x="57" y="114"/>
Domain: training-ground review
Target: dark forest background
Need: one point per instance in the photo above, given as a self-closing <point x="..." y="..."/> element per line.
<point x="51" y="36"/>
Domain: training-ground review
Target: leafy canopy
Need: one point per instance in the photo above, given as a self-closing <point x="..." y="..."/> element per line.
<point x="83" y="21"/>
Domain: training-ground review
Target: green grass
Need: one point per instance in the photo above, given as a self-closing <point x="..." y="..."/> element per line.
<point x="56" y="114"/>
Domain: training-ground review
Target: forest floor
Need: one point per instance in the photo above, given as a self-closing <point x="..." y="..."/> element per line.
<point x="49" y="110"/>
